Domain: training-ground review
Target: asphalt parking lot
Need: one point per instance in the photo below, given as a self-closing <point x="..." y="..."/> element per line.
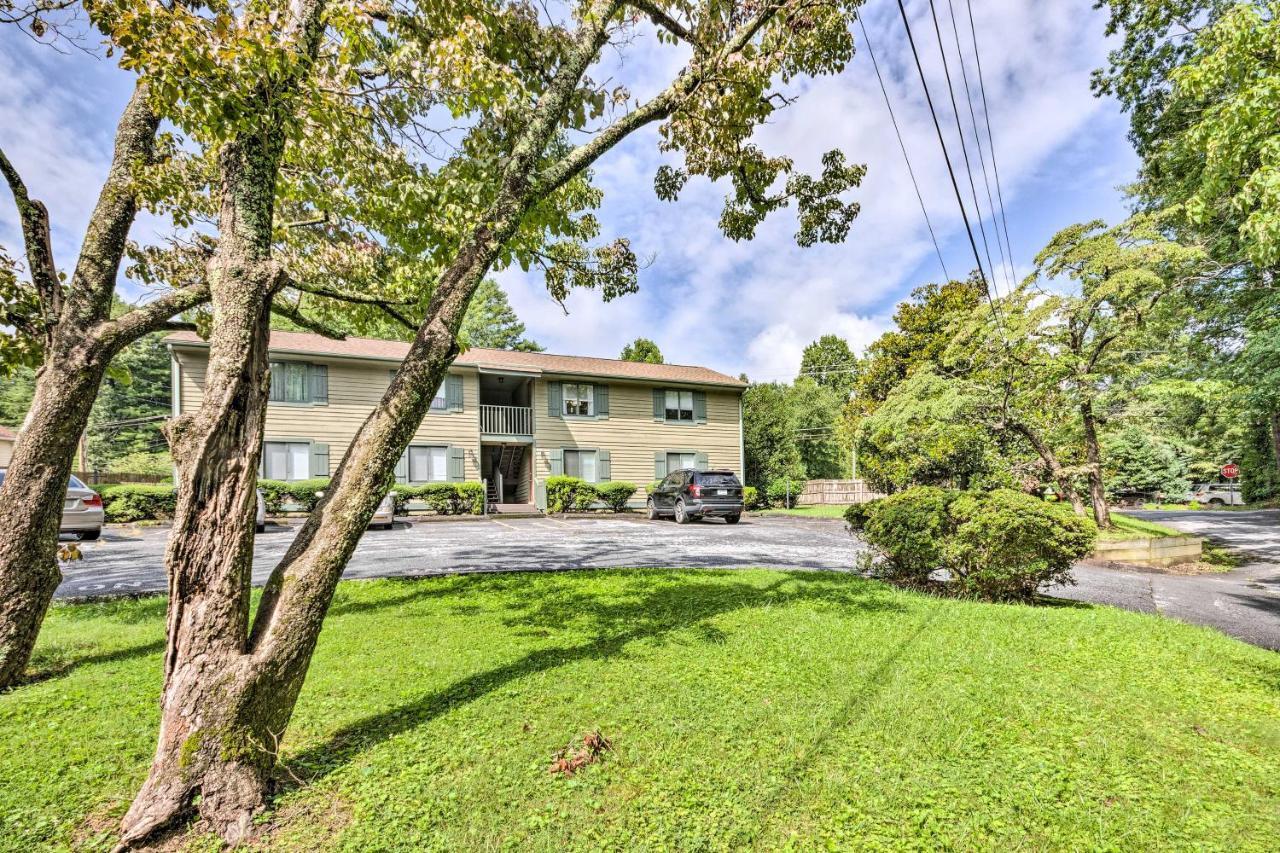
<point x="130" y="560"/>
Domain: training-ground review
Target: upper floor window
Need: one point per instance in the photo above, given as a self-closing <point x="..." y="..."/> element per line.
<point x="679" y="405"/>
<point x="299" y="382"/>
<point x="579" y="399"/>
<point x="440" y="401"/>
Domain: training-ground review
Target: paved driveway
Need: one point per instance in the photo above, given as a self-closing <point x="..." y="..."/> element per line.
<point x="131" y="560"/>
<point x="1244" y="602"/>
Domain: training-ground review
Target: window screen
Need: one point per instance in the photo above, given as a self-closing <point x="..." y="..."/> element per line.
<point x="428" y="465"/>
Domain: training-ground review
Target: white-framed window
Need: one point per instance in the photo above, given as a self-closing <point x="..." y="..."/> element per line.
<point x="579" y="399"/>
<point x="679" y="405"/>
<point x="428" y="464"/>
<point x="582" y="464"/>
<point x="286" y="460"/>
<point x="676" y="461"/>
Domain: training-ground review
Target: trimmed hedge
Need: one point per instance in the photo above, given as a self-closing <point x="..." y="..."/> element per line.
<point x="300" y="493"/>
<point x="126" y="502"/>
<point x="615" y="494"/>
<point x="443" y="498"/>
<point x="999" y="545"/>
<point x="571" y="494"/>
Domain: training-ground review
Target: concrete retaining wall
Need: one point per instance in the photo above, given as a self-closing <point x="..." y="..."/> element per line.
<point x="1158" y="551"/>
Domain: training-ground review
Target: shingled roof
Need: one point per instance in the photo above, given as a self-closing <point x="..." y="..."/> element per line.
<point x="302" y="343"/>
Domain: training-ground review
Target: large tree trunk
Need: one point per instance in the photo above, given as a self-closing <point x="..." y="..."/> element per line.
<point x="79" y="348"/>
<point x="1056" y="471"/>
<point x="213" y="739"/>
<point x="1093" y="456"/>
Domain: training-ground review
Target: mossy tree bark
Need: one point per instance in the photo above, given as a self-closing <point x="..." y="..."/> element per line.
<point x="80" y="339"/>
<point x="1093" y="458"/>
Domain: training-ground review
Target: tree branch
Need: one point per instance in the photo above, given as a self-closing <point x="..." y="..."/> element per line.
<point x="661" y="18"/>
<point x="291" y="311"/>
<point x="34" y="217"/>
<point x="152" y="317"/>
<point x="386" y="305"/>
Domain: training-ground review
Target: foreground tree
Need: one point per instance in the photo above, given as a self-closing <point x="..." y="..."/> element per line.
<point x="66" y="329"/>
<point x="230" y="686"/>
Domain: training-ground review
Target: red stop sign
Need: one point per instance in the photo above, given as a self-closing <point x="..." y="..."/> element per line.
<point x="1231" y="470"/>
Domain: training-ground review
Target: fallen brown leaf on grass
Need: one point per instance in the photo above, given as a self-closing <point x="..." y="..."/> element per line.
<point x="569" y="760"/>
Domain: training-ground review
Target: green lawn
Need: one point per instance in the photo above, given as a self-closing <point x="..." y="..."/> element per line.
<point x="1127" y="527"/>
<point x="819" y="511"/>
<point x="747" y="709"/>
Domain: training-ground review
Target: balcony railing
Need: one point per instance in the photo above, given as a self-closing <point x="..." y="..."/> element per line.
<point x="506" y="420"/>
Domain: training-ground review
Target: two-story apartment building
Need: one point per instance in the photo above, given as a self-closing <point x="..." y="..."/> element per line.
<point x="511" y="419"/>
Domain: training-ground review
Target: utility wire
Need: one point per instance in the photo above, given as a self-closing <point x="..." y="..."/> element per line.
<point x="973" y="244"/>
<point x="982" y="159"/>
<point x="902" y="145"/>
<point x="991" y="144"/>
<point x="964" y="149"/>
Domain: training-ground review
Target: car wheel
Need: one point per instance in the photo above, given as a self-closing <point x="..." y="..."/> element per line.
<point x="732" y="519"/>
<point x="1217" y="502"/>
<point x="651" y="510"/>
<point x="260" y="528"/>
<point x="90" y="535"/>
<point x="682" y="514"/>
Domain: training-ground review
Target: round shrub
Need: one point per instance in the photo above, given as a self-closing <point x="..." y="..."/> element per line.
<point x="999" y="545"/>
<point x="615" y="494"/>
<point x="751" y="497"/>
<point x="856" y="515"/>
<point x="566" y="494"/>
<point x="784" y="492"/>
<point x="1005" y="544"/>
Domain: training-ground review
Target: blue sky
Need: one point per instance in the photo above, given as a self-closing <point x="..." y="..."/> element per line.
<point x="739" y="307"/>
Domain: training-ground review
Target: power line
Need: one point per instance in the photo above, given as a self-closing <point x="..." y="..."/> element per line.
<point x="964" y="149"/>
<point x="982" y="160"/>
<point x="991" y="144"/>
<point x="973" y="244"/>
<point x="902" y="145"/>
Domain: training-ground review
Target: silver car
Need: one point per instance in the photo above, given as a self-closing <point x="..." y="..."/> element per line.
<point x="82" y="512"/>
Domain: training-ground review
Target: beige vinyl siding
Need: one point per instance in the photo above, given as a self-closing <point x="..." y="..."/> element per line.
<point x="632" y="436"/>
<point x="6" y="451"/>
<point x="355" y="389"/>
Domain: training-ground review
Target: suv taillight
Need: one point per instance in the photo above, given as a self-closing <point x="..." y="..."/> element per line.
<point x="93" y="500"/>
<point x="695" y="491"/>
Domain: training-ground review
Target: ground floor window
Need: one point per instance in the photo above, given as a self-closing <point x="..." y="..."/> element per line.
<point x="581" y="464"/>
<point x="676" y="461"/>
<point x="428" y="464"/>
<point x="286" y="460"/>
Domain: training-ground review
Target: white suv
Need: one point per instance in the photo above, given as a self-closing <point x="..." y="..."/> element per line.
<point x="1216" y="494"/>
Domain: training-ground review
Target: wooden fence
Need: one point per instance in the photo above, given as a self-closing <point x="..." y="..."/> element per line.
<point x="837" y="492"/>
<point x="95" y="478"/>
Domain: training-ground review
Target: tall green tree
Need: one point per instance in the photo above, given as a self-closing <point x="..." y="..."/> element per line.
<point x="516" y="192"/>
<point x="642" y="349"/>
<point x="831" y="363"/>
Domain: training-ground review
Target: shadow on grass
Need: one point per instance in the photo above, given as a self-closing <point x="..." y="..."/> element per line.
<point x="647" y="605"/>
<point x="48" y="664"/>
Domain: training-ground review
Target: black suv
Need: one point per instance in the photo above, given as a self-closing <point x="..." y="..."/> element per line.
<point x="689" y="494"/>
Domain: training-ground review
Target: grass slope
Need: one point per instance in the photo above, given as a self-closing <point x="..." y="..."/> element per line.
<point x="750" y="708"/>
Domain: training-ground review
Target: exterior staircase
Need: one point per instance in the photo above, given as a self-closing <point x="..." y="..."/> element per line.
<point x="507" y="462"/>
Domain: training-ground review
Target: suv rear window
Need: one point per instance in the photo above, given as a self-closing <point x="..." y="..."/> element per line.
<point x="716" y="479"/>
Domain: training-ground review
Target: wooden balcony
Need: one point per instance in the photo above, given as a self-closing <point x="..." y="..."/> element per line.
<point x="506" y="420"/>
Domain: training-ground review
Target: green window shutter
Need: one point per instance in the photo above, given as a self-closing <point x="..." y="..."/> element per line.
<point x="453" y="393"/>
<point x="700" y="406"/>
<point x="277" y="382"/>
<point x="660" y="465"/>
<point x="659" y="404"/>
<point x="402" y="467"/>
<point x="602" y="401"/>
<point x="556" y="458"/>
<point x="319" y="460"/>
<point x="555" y="400"/>
<point x="700" y="461"/>
<point x="457" y="473"/>
<point x="318" y="375"/>
<point x="604" y="467"/>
